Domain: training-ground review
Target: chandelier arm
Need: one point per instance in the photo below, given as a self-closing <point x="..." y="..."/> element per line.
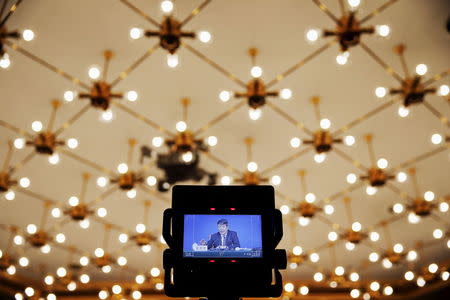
<point x="385" y="66"/>
<point x="140" y="12"/>
<point x="134" y="65"/>
<point x="102" y="196"/>
<point x="286" y="160"/>
<point x="195" y="12"/>
<point x="69" y="248"/>
<point x="342" y="7"/>
<point x="122" y="249"/>
<point x="399" y="192"/>
<point x="36" y="195"/>
<point x="147" y="166"/>
<point x="10" y="13"/>
<point x="326" y="10"/>
<point x="372" y="246"/>
<point x="21" y="163"/>
<point x="377" y="11"/>
<point x="2" y="10"/>
<point x="154" y="193"/>
<point x="223" y="163"/>
<point x="286" y="198"/>
<point x="58" y="225"/>
<point x="72" y="120"/>
<point x="351" y="160"/>
<point x="218" y="118"/>
<point x="436" y="113"/>
<point x="16" y="129"/>
<point x="439" y="219"/>
<point x="298" y="65"/>
<point x="143" y="118"/>
<point x="290" y="119"/>
<point x="418" y="158"/>
<point x="324" y="220"/>
<point x="436" y="78"/>
<point x="341" y="193"/>
<point x="214" y="65"/>
<point x="87" y="162"/>
<point x="8" y="157"/>
<point x="364" y="117"/>
<point x="46" y="64"/>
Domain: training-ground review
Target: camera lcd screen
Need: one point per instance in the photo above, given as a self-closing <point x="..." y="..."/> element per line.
<point x="217" y="236"/>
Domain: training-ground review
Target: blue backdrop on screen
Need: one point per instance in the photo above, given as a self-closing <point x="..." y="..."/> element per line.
<point x="199" y="227"/>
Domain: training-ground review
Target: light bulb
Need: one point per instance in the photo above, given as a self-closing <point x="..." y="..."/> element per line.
<point x="24" y="182"/>
<point x="29" y="291"/>
<point x="256" y="71"/>
<point x="374" y="236"/>
<point x="276" y="180"/>
<point x="131" y="194"/>
<point x="445" y="275"/>
<point x="72" y="286"/>
<point x="314" y="257"/>
<point x="373" y="257"/>
<point x="136" y="33"/>
<point x="286" y="94"/>
<point x="31" y="228"/>
<point x="349" y="140"/>
<point x="49" y="280"/>
<point x="94" y="72"/>
<point x="99" y="252"/>
<point x="295" y="142"/>
<point x="172" y="60"/>
<point x="204" y="37"/>
<point x="140" y="279"/>
<point x="428" y="196"/>
<point x="284" y="209"/>
<point x="386" y="263"/>
<point x="421" y="69"/>
<point x="388" y="290"/>
<point x="355" y="293"/>
<point x="10" y="195"/>
<point x="354" y="276"/>
<point x="318" y="276"/>
<point x="339" y="270"/>
<point x="356" y="226"/>
<point x="436" y="138"/>
<point x="167" y="6"/>
<point x="354" y="3"/>
<point x="24" y="262"/>
<point x="225" y="180"/>
<point x="409" y="275"/>
<point x="443" y="90"/>
<point x="351" y="178"/>
<point x="401" y="177"/>
<point x="155" y="272"/>
<point x="380" y="92"/>
<point x="382" y="30"/>
<point x="420" y="281"/>
<point x="332" y="236"/>
<point x="60" y="238"/>
<point x="18" y="240"/>
<point x="411" y="256"/>
<point x="325" y="123"/>
<point x="254" y="113"/>
<point x="252" y="166"/>
<point x="310" y="198"/>
<point x="132" y="96"/>
<point x="84" y="278"/>
<point x="36" y="126"/>
<point x="433" y="268"/>
<point x="438" y="233"/>
<point x="398" y="248"/>
<point x="350" y="246"/>
<point x="382" y="163"/>
<point x="303" y="290"/>
<point x="211" y="141"/>
<point x="102" y="212"/>
<point x="403" y="112"/>
<point x="122" y="261"/>
<point x="398" y="208"/>
<point x="303" y="221"/>
<point x="72" y="143"/>
<point x="370" y="190"/>
<point x="84" y="261"/>
<point x="140" y="228"/>
<point x="333" y="284"/>
<point x="328" y="209"/>
<point x="122" y="168"/>
<point x="288" y="287"/>
<point x="297" y="250"/>
<point x="374" y="286"/>
<point x="61" y="272"/>
<point x="123" y="238"/>
<point x="225" y="96"/>
<point x="413" y="218"/>
<point x="103" y="294"/>
<point x="5" y="62"/>
<point x="46" y="249"/>
<point x="146" y="248"/>
<point x="28" y="35"/>
<point x="85" y="223"/>
<point x="312" y="35"/>
<point x="74" y="201"/>
<point x="320" y="158"/>
<point x="106" y="269"/>
<point x="181" y="126"/>
<point x="106" y="116"/>
<point x="151" y="180"/>
<point x="19" y="143"/>
<point x="11" y="270"/>
<point x="53" y="159"/>
<point x="69" y="96"/>
<point x="443" y="207"/>
<point x="187" y="157"/>
<point x="342" y="58"/>
<point x="116" y="289"/>
<point x="136" y="295"/>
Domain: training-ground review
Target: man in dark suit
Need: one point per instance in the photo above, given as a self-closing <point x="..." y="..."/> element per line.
<point x="224" y="238"/>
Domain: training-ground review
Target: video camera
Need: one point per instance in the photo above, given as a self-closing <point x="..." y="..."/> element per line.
<point x="222" y="242"/>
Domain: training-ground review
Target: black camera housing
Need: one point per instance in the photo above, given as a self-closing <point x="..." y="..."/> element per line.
<point x="223" y="277"/>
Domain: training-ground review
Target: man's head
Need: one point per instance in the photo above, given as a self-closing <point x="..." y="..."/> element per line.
<point x="222" y="226"/>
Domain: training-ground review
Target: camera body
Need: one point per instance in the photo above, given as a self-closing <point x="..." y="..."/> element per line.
<point x="240" y="262"/>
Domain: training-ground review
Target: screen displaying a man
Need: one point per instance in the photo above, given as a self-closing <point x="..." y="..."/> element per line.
<point x="223" y="239"/>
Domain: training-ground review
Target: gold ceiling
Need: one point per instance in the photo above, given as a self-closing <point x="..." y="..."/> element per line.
<point x="343" y="106"/>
